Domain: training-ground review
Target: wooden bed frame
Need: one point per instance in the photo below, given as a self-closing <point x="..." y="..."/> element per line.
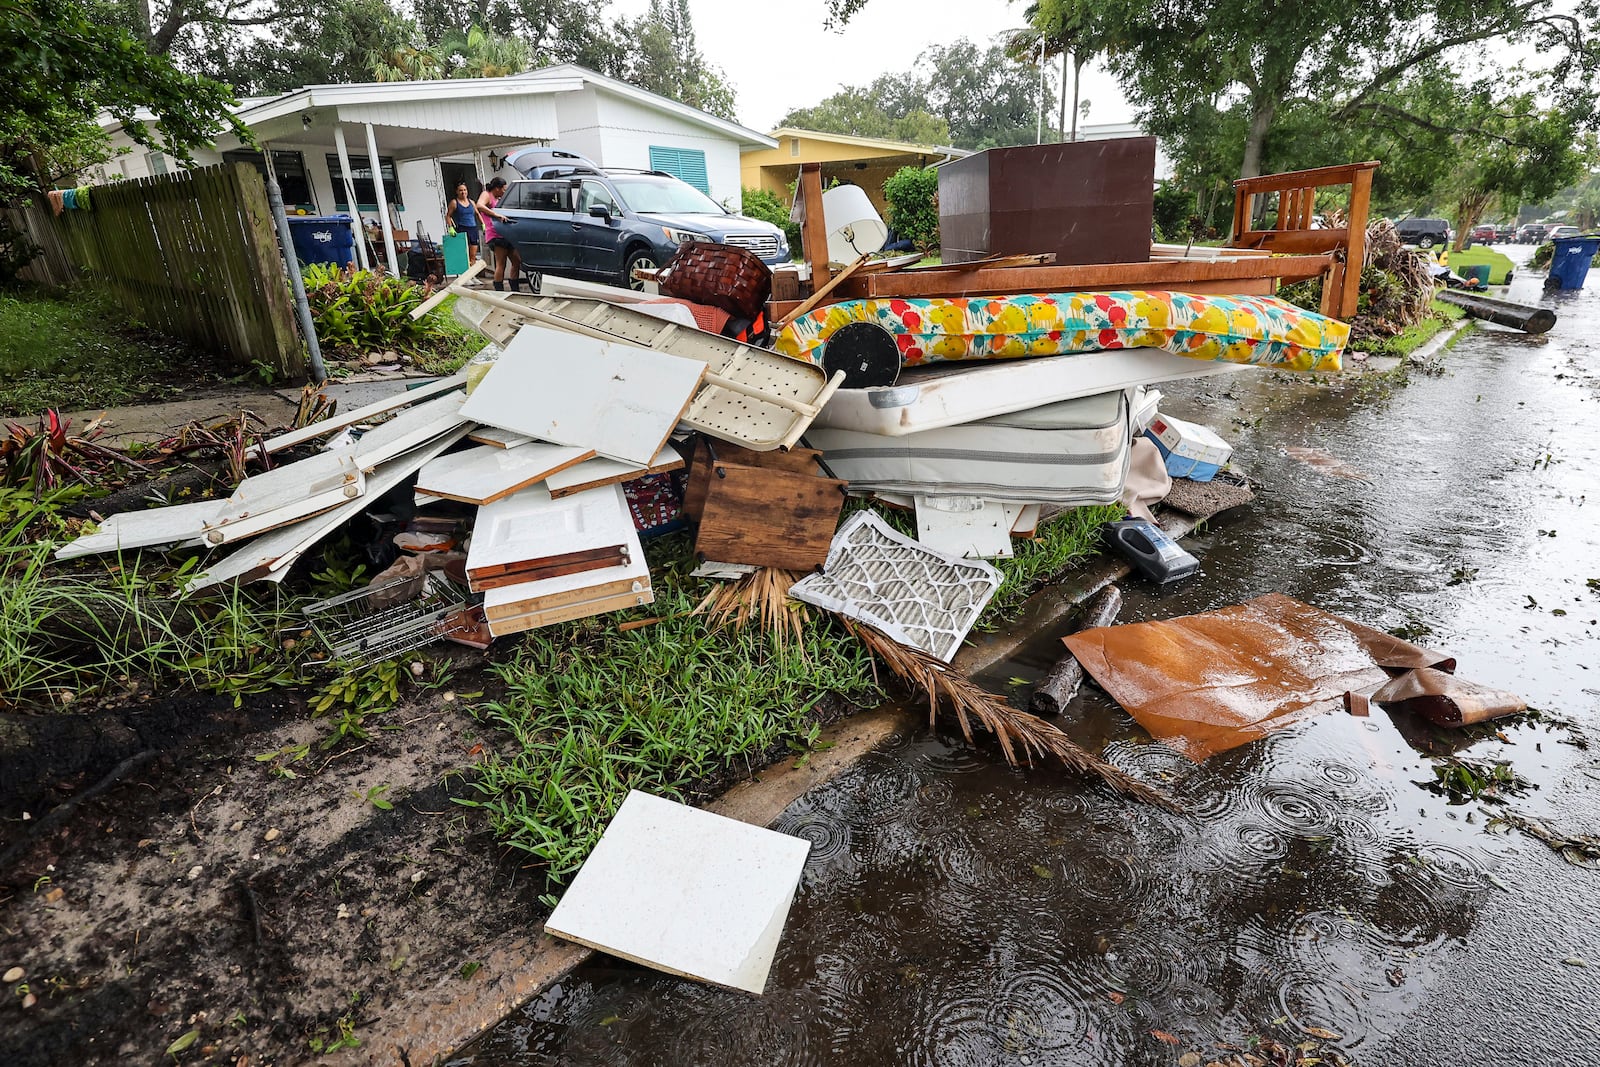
<point x="1250" y="265"/>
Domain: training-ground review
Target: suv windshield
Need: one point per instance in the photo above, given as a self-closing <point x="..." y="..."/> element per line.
<point x="668" y="196"/>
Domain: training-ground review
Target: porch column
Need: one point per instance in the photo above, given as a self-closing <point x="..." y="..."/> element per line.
<point x="383" y="200"/>
<point x="350" y="197"/>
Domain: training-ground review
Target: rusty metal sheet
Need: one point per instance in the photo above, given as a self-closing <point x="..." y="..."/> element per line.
<point x="1210" y="682"/>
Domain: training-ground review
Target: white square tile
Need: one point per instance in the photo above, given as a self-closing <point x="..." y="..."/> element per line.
<point x="684" y="891"/>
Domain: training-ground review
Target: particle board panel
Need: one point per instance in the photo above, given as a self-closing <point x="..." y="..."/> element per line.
<point x="684" y="891"/>
<point x="286" y="495"/>
<point x="410" y="429"/>
<point x="594" y="473"/>
<point x="529" y="597"/>
<point x="485" y="474"/>
<point x="405" y="398"/>
<point x="490" y="435"/>
<point x="566" y="613"/>
<point x="528" y="527"/>
<point x="172" y="525"/>
<point x="965" y="526"/>
<point x="508" y="574"/>
<point x="271" y="555"/>
<point x="769" y="518"/>
<point x="618" y="399"/>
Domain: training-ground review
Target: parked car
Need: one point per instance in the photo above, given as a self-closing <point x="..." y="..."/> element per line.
<point x="1562" y="231"/>
<point x="1531" y="233"/>
<point x="579" y="221"/>
<point x="1506" y="232"/>
<point x="1485" y="233"/>
<point x="1424" y="233"/>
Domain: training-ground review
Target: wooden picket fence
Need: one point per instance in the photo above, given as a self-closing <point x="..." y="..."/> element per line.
<point x="191" y="254"/>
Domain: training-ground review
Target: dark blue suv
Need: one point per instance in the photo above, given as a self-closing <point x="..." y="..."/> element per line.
<point x="577" y="221"/>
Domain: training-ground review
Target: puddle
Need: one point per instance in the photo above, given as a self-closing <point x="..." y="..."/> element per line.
<point x="958" y="912"/>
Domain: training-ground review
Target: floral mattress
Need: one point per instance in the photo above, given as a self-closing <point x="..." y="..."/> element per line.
<point x="1236" y="329"/>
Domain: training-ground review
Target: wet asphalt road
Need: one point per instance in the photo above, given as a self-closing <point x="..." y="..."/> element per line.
<point x="956" y="912"/>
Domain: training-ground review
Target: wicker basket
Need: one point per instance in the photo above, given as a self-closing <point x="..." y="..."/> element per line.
<point x="723" y="276"/>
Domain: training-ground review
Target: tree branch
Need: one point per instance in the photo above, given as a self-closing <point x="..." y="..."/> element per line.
<point x="1391" y="111"/>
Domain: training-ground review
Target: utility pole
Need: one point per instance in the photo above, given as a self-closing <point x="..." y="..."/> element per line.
<point x="1040" y="139"/>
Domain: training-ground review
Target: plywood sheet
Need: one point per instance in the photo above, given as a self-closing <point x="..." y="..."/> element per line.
<point x="411" y="428"/>
<point x="286" y="495"/>
<point x="485" y="474"/>
<point x="684" y="891"/>
<point x="770" y="518"/>
<point x="492" y="435"/>
<point x="594" y="473"/>
<point x="620" y="400"/>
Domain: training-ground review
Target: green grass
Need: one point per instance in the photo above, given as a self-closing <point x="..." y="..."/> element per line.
<point x="451" y="343"/>
<point x="1064" y="541"/>
<point x="593" y="712"/>
<point x="1407" y="341"/>
<point x="76" y="350"/>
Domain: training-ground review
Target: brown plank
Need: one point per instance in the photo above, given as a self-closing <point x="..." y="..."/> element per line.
<point x="552" y="566"/>
<point x="796" y="461"/>
<point x="1304" y="242"/>
<point x="519" y="608"/>
<point x="769" y="518"/>
<point x="1342" y="174"/>
<point x="814" y="231"/>
<point x="1180" y="275"/>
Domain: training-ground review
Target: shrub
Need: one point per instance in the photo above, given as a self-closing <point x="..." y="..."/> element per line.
<point x="913" y="195"/>
<point x="1542" y="256"/>
<point x="766" y="206"/>
<point x="361" y="311"/>
<point x="1173" y="212"/>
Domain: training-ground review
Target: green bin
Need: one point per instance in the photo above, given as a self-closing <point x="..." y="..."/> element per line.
<point x="455" y="253"/>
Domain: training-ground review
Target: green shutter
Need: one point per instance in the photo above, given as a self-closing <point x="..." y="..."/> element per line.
<point x="685" y="164"/>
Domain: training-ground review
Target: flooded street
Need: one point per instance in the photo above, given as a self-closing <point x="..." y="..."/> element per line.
<point x="955" y="912"/>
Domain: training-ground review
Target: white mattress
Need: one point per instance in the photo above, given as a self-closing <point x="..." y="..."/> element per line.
<point x="955" y="393"/>
<point x="1072" y="452"/>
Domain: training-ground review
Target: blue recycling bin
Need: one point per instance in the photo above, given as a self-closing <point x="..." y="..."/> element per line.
<point x="1570" y="264"/>
<point x="322" y="239"/>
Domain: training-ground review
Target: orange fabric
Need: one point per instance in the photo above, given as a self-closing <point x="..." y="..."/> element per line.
<point x="1207" y="683"/>
<point x="708" y="318"/>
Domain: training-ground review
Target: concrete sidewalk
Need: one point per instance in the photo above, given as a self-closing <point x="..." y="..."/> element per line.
<point x="276" y="405"/>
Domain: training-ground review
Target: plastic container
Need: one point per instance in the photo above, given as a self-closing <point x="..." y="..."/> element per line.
<point x="1149" y="548"/>
<point x="1570" y="264"/>
<point x="323" y="239"/>
<point x="455" y="253"/>
<point x="1190" y="450"/>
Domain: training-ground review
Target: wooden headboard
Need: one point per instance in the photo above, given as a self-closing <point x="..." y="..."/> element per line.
<point x="1293" y="232"/>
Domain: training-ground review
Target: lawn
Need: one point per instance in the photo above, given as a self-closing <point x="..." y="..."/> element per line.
<point x="78" y="350"/>
<point x="1440" y="316"/>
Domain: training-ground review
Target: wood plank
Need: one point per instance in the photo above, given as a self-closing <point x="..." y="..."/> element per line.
<point x="334" y="423"/>
<point x="583" y="610"/>
<point x="286" y="495"/>
<point x="512" y="601"/>
<point x="817" y="295"/>
<point x="767" y="517"/>
<point x="796" y="461"/>
<point x="1180" y="275"/>
<point x="1343" y="174"/>
<point x="594" y="473"/>
<point x="144" y="529"/>
<point x="814" y="229"/>
<point x="485" y="474"/>
<point x="1296" y="241"/>
<point x="613" y="557"/>
<point x="413" y="427"/>
<point x="565" y="388"/>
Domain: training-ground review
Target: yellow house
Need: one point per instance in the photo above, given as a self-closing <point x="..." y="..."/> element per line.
<point x="864" y="161"/>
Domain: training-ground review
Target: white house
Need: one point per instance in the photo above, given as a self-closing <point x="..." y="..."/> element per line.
<point x="1106" y="131"/>
<point x="326" y="141"/>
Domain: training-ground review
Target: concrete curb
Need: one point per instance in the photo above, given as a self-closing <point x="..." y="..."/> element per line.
<point x="1439" y="341"/>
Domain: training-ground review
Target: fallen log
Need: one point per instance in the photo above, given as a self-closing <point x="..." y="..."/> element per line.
<point x="1061" y="684"/>
<point x="1501" y="312"/>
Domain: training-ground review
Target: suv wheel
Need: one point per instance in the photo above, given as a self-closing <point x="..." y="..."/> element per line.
<point x="1425" y="241"/>
<point x="639" y="257"/>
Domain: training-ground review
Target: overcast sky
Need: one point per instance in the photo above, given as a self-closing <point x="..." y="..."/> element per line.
<point x="795" y="62"/>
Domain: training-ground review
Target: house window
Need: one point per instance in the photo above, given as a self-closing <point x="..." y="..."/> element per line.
<point x="291" y="169"/>
<point x="794" y="146"/>
<point x="361" y="178"/>
<point x="156" y="161"/>
<point x="685" y="164"/>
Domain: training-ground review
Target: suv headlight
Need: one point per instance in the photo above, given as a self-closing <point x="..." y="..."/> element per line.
<point x="677" y="236"/>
